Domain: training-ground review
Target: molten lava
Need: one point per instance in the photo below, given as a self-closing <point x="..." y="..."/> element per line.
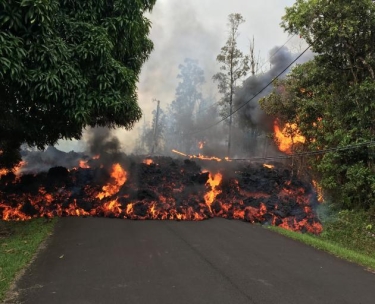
<point x="287" y="137"/>
<point x="165" y="188"/>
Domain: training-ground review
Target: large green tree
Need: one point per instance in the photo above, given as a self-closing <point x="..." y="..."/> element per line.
<point x="331" y="98"/>
<point x="65" y="65"/>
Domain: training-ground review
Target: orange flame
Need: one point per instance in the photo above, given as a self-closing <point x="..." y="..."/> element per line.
<point x="213" y="181"/>
<point x="201" y="144"/>
<point x="285" y="140"/>
<point x="119" y="176"/>
<point x="319" y="191"/>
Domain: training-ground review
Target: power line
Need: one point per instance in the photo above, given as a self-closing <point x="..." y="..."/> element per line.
<point x="256" y="72"/>
<point x="310" y="153"/>
<point x="246" y="102"/>
<point x="273" y="55"/>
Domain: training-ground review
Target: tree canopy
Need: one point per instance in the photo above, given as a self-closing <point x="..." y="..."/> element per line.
<point x="331" y="98"/>
<point x="65" y="65"/>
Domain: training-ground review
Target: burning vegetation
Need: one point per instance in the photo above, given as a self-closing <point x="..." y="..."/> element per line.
<point x="163" y="188"/>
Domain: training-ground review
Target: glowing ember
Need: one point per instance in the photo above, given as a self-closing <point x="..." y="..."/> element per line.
<point x="119" y="176"/>
<point x="83" y="164"/>
<point x="268" y="166"/>
<point x="17" y="169"/>
<point x="287" y="137"/>
<point x="148" y="161"/>
<point x="3" y="172"/>
<point x="201" y="144"/>
<point x="96" y="156"/>
<point x="178" y="152"/>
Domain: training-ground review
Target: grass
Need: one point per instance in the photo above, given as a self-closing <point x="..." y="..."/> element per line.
<point x="347" y="234"/>
<point x="19" y="242"/>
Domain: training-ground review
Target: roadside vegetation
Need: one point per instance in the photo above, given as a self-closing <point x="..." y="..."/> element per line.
<point x="347" y="234"/>
<point x="19" y="241"/>
<point x="330" y="100"/>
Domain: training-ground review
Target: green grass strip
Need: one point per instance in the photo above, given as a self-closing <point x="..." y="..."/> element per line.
<point x="19" y="242"/>
<point x="328" y="246"/>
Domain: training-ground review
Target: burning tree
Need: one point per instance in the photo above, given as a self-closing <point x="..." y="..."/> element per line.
<point x="65" y="65"/>
<point x="330" y="98"/>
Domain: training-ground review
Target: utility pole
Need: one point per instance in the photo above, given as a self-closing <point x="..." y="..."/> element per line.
<point x="155" y="127"/>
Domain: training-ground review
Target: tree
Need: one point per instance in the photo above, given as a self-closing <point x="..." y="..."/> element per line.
<point x="343" y="33"/>
<point x="182" y="109"/>
<point x="331" y="97"/>
<point x="65" y="65"/>
<point x="234" y="67"/>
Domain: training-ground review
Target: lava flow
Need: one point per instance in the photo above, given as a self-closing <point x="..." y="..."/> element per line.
<point x="163" y="188"/>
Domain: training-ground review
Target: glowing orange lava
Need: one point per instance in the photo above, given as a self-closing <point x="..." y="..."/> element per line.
<point x="17" y="169"/>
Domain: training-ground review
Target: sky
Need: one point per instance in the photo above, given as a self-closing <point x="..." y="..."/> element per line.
<point x="197" y="29"/>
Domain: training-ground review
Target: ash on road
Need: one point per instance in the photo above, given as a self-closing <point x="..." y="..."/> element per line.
<point x="101" y="260"/>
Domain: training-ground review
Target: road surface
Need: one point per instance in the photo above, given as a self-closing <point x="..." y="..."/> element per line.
<point x="101" y="260"/>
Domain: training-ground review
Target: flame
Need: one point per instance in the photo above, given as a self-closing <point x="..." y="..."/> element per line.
<point x="319" y="191"/>
<point x="213" y="181"/>
<point x="201" y="144"/>
<point x="119" y="176"/>
<point x="286" y="141"/>
<point x="96" y="156"/>
<point x="148" y="161"/>
<point x="268" y="166"/>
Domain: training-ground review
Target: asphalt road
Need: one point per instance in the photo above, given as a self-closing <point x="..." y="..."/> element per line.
<point x="99" y="260"/>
